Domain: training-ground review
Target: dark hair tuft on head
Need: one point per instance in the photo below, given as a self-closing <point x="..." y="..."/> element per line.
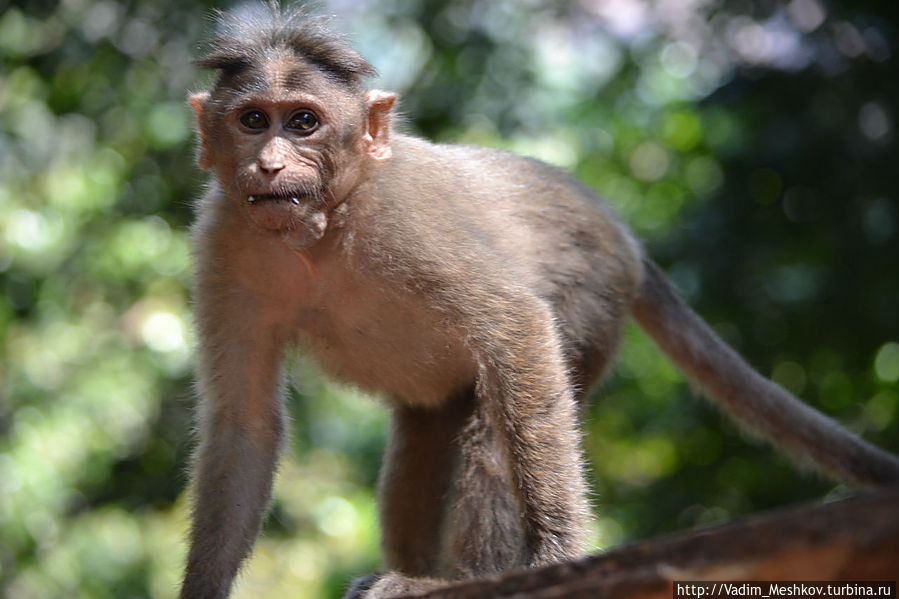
<point x="245" y="37"/>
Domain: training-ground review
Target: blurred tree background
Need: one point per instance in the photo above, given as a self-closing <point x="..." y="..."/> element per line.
<point x="753" y="145"/>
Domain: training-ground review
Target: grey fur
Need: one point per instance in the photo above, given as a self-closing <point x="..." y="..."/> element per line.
<point x="482" y="293"/>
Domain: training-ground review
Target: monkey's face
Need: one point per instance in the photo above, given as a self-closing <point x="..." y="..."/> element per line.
<point x="281" y="140"/>
<point x="282" y="160"/>
<point x="288" y="142"/>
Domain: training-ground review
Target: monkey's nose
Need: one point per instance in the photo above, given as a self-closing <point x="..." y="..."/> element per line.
<point x="270" y="167"/>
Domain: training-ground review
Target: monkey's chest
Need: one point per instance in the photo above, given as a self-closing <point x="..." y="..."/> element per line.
<point x="385" y="342"/>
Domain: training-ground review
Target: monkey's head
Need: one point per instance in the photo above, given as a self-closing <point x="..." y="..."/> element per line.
<point x="287" y="127"/>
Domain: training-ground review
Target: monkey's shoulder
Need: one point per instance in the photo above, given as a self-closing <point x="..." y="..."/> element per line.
<point x="470" y="168"/>
<point x="468" y="202"/>
<point x="480" y="183"/>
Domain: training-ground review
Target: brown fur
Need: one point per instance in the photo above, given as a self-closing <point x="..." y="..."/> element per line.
<point x="481" y="292"/>
<point x="807" y="436"/>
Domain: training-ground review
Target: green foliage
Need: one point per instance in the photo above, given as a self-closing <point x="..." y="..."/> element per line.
<point x="754" y="151"/>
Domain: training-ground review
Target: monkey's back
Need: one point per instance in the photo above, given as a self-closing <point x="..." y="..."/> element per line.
<point x="549" y="233"/>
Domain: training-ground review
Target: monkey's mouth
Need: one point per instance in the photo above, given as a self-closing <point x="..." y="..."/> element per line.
<point x="293" y="198"/>
<point x="277" y="211"/>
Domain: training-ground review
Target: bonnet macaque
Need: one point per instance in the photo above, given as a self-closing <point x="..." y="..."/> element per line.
<point x="483" y="294"/>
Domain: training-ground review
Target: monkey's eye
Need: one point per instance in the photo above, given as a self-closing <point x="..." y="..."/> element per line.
<point x="254" y="119"/>
<point x="303" y="120"/>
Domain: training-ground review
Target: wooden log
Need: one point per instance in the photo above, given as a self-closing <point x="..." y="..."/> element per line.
<point x="855" y="539"/>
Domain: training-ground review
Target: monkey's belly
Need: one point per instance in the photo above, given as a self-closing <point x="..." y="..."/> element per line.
<point x="402" y="352"/>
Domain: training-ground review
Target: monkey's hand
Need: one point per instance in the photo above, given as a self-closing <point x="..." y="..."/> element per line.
<point x="384" y="585"/>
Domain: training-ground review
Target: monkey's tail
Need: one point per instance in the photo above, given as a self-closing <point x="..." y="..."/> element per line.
<point x="803" y="433"/>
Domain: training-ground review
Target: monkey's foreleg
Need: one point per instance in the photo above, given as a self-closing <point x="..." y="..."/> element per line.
<point x="526" y="418"/>
<point x="240" y="428"/>
<point x="520" y="494"/>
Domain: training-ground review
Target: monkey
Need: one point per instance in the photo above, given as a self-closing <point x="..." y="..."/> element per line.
<point x="481" y="293"/>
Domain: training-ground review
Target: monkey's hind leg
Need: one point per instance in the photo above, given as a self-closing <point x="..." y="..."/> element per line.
<point x="416" y="481"/>
<point x="414" y="490"/>
<point x="484" y="530"/>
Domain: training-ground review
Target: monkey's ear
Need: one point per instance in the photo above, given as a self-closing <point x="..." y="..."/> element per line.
<point x="198" y="101"/>
<point x="377" y="135"/>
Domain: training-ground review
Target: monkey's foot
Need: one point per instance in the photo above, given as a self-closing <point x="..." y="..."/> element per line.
<point x="361" y="585"/>
<point x="389" y="584"/>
